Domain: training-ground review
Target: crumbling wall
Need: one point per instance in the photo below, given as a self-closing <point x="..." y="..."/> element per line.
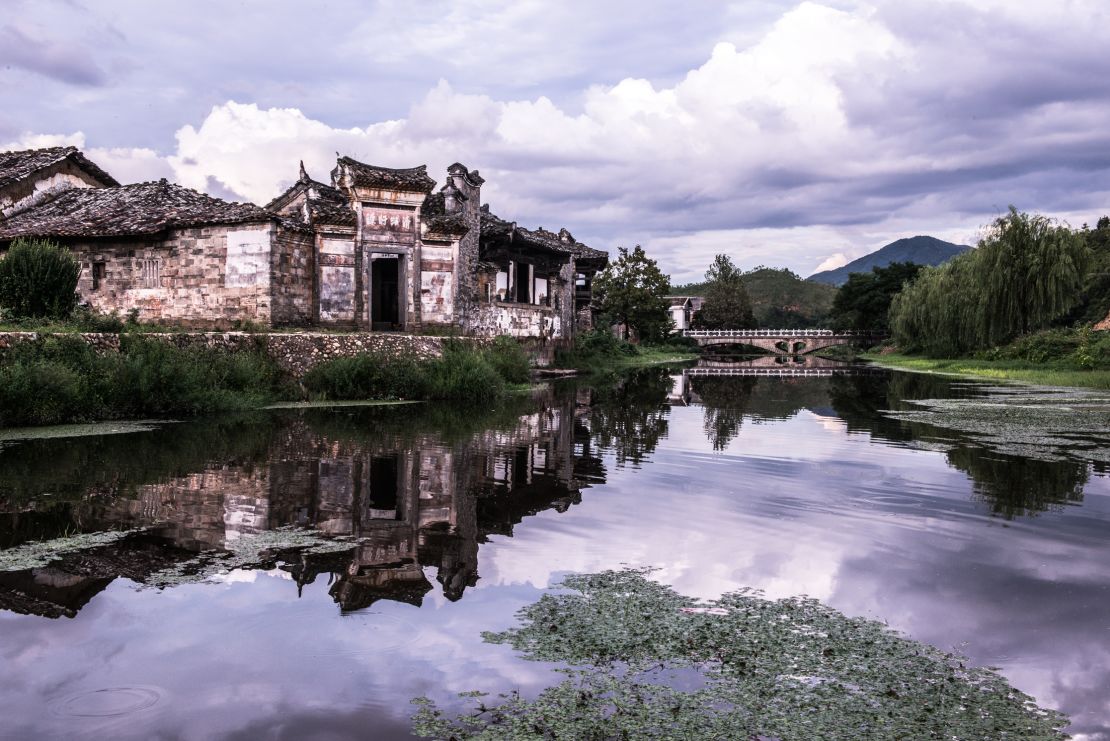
<point x="518" y="320"/>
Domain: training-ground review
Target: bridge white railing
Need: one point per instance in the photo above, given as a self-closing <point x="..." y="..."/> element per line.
<point x="741" y="333"/>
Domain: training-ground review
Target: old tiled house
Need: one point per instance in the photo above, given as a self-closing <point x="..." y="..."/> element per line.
<point x="374" y="249"/>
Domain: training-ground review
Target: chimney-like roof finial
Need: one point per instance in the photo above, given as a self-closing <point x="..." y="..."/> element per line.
<point x="303" y="175"/>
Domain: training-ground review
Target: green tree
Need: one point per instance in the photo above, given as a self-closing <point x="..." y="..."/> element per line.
<point x="632" y="293"/>
<point x="1026" y="274"/>
<point x="727" y="305"/>
<point x="863" y="301"/>
<point x="38" y="279"/>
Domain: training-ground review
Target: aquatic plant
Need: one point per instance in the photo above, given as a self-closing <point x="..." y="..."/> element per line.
<point x="786" y="669"/>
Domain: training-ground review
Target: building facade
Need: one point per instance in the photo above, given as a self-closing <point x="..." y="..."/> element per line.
<point x="374" y="249"/>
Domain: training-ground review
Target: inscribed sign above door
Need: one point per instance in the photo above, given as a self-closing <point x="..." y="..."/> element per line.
<point x="392" y="224"/>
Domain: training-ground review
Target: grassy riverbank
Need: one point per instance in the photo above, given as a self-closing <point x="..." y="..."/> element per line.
<point x="60" y="379"/>
<point x="600" y="351"/>
<point x="997" y="370"/>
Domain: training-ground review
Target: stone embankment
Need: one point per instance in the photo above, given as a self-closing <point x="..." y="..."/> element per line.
<point x="296" y="353"/>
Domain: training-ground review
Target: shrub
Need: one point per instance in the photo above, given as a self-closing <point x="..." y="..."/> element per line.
<point x="463" y="374"/>
<point x="38" y="279"/>
<point x="369" y="376"/>
<point x="593" y="348"/>
<point x="509" y="360"/>
<point x="62" y="379"/>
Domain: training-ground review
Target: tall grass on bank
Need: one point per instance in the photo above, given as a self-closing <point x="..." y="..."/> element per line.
<point x="463" y="373"/>
<point x="62" y="379"/>
<point x="599" y="350"/>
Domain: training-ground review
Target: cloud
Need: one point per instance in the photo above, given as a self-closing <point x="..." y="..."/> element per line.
<point x="781" y="137"/>
<point x="70" y="63"/>
<point x="832" y="262"/>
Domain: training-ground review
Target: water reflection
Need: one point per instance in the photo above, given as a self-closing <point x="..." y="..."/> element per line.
<point x="788" y="483"/>
<point x="409" y="497"/>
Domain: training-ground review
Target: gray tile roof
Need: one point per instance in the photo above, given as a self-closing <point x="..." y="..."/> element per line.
<point x="129" y="210"/>
<point x="15" y="166"/>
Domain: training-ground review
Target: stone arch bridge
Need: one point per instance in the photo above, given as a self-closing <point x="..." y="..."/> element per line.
<point x="782" y="341"/>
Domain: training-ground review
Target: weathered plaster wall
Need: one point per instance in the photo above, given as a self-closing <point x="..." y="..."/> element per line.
<point x="337" y="279"/>
<point x="186" y="278"/>
<point x="437" y="285"/>
<point x="518" y="320"/>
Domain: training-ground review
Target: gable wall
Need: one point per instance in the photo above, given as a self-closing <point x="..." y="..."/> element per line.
<point x="43" y="186"/>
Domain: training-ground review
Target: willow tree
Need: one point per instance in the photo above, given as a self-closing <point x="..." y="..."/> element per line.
<point x="1030" y="271"/>
<point x="1026" y="274"/>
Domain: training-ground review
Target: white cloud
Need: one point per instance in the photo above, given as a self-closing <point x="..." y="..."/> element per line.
<point x="820" y="136"/>
<point x="832" y="262"/>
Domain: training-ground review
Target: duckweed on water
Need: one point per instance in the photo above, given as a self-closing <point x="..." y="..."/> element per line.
<point x="1051" y="424"/>
<point x="788" y="669"/>
<point x="40" y="553"/>
<point x="249" y="551"/>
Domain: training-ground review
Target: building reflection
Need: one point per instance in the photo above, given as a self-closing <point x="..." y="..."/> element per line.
<point x="412" y="503"/>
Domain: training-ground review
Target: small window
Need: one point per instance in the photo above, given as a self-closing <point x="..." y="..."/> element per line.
<point x="99" y="273"/>
<point x="150" y="273"/>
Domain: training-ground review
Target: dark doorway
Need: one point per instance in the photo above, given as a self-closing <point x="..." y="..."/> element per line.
<point x="523" y="284"/>
<point x="384" y="485"/>
<point x="385" y="294"/>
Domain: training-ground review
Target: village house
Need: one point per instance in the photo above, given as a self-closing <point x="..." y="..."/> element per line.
<point x="374" y="249"/>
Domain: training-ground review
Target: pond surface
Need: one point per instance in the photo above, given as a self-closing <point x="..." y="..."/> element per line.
<point x="305" y="573"/>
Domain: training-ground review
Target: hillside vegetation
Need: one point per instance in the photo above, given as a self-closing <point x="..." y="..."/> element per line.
<point x="780" y="298"/>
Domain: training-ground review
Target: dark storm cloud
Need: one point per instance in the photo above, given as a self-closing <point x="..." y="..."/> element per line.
<point x="849" y="118"/>
<point x="71" y="64"/>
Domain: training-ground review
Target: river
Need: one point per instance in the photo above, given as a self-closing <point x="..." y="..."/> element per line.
<point x="306" y="573"/>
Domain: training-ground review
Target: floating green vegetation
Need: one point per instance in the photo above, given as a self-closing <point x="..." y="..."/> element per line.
<point x="1044" y="423"/>
<point x="784" y="669"/>
<point x="96" y="428"/>
<point x="40" y="553"/>
<point x="249" y="551"/>
<point x="323" y="404"/>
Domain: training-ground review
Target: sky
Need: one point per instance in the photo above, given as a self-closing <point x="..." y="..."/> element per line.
<point x="798" y="135"/>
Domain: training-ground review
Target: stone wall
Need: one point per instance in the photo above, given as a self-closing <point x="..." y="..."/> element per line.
<point x="292" y="268"/>
<point x="204" y="276"/>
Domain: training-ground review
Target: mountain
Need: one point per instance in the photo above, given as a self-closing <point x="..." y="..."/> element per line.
<point x="920" y="250"/>
<point x="780" y="298"/>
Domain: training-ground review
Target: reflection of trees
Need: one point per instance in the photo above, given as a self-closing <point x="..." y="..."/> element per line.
<point x="725" y="401"/>
<point x="1013" y="486"/>
<point x="629" y="417"/>
<point x="1010" y="485"/>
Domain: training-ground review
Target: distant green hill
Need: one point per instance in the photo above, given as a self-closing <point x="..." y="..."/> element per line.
<point x="780" y="299"/>
<point x="920" y="250"/>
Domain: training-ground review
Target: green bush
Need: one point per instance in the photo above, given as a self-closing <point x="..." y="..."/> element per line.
<point x="595" y="348"/>
<point x="463" y="374"/>
<point x="62" y="379"/>
<point x="509" y="360"/>
<point x="369" y="376"/>
<point x="38" y="279"/>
